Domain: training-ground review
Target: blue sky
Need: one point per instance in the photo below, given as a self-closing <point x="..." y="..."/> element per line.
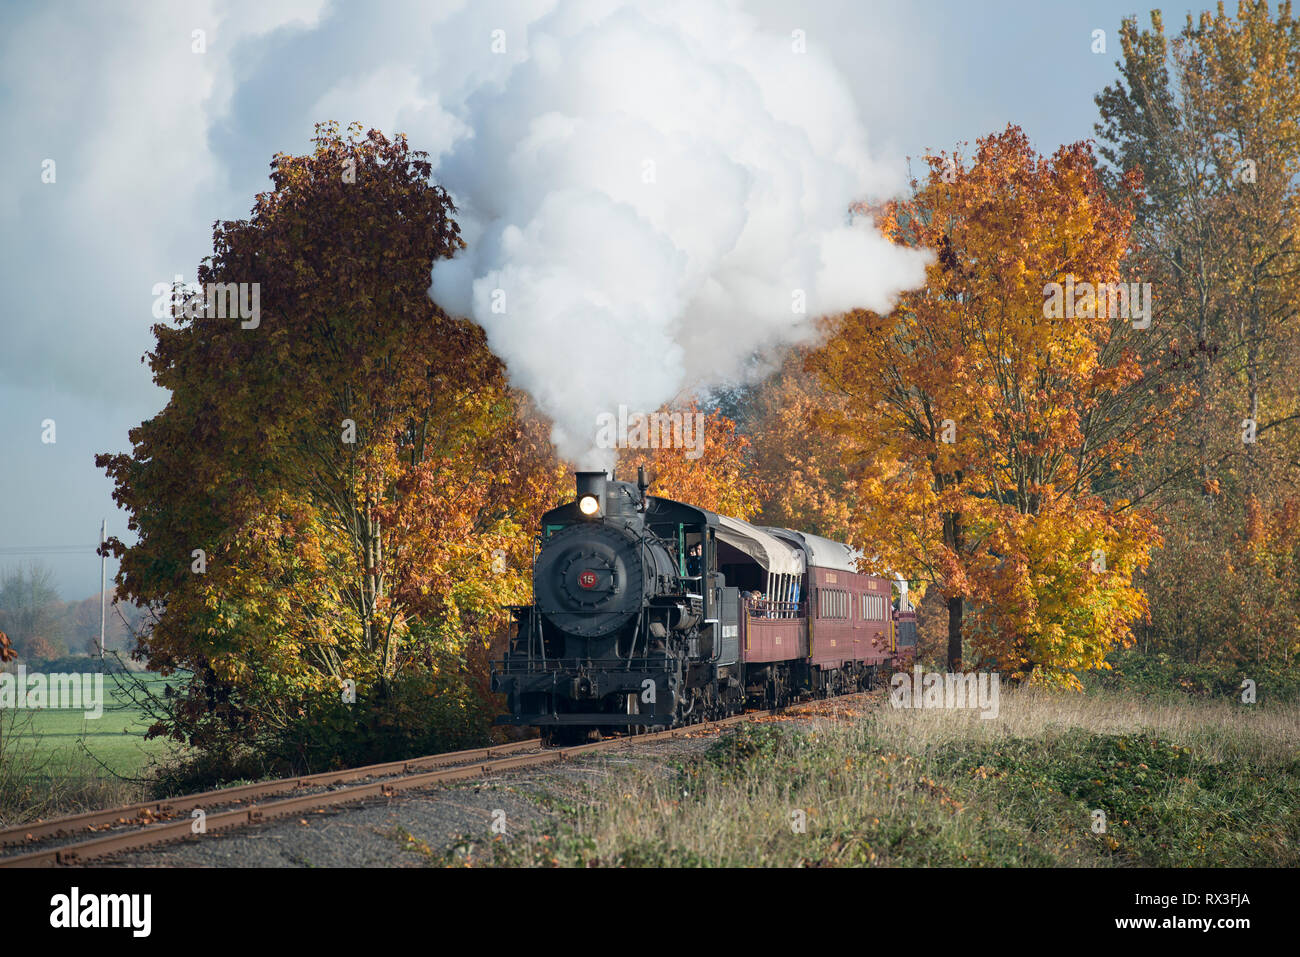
<point x="153" y="142"/>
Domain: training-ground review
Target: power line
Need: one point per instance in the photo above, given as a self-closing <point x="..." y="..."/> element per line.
<point x="50" y="550"/>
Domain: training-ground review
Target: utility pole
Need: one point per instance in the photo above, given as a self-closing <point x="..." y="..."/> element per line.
<point x="103" y="583"/>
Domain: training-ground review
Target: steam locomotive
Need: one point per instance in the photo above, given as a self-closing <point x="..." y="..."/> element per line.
<point x="649" y="613"/>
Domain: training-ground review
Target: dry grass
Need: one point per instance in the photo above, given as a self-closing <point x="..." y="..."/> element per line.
<point x="1192" y="782"/>
<point x="36" y="784"/>
<point x="1222" y="729"/>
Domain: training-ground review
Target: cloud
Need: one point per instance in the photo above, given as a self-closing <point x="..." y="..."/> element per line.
<point x="132" y="202"/>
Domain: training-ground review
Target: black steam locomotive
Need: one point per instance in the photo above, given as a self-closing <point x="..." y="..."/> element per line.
<point x="649" y="613"/>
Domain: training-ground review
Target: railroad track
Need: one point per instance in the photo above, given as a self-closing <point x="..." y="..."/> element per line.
<point x="151" y="815"/>
<point x="155" y="822"/>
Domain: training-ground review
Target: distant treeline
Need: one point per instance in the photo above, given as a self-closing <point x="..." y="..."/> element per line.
<point x="41" y="626"/>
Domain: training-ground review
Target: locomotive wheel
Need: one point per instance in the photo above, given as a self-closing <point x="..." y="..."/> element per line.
<point x="717" y="707"/>
<point x="777" y="692"/>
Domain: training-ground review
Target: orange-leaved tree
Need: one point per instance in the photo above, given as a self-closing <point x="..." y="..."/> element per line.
<point x="984" y="418"/>
<point x="322" y="504"/>
<point x="804" y="482"/>
<point x="1211" y="117"/>
<point x="712" y="473"/>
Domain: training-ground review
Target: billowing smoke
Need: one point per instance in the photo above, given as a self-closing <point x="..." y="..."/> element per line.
<point x="653" y="193"/>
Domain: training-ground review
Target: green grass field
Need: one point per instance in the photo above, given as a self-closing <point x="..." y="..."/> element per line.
<point x="55" y="760"/>
<point x="64" y="741"/>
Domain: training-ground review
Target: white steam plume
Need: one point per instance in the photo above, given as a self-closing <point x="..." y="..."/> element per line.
<point x="646" y="194"/>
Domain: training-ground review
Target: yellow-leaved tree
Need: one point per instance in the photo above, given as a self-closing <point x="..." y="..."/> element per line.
<point x="713" y="473"/>
<point x="1210" y="115"/>
<point x="990" y="419"/>
<point x="803" y="479"/>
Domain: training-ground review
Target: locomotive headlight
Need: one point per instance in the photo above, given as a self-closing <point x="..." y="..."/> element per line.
<point x="589" y="505"/>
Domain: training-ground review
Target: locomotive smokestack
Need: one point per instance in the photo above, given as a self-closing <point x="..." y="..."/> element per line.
<point x="591" y="483"/>
<point x="641" y="483"/>
<point x="591" y="493"/>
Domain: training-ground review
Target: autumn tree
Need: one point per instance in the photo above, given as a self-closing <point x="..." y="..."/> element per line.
<point x="40" y="648"/>
<point x="29" y="604"/>
<point x="803" y="481"/>
<point x="1211" y="118"/>
<point x="711" y="472"/>
<point x="337" y="492"/>
<point x="982" y="426"/>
